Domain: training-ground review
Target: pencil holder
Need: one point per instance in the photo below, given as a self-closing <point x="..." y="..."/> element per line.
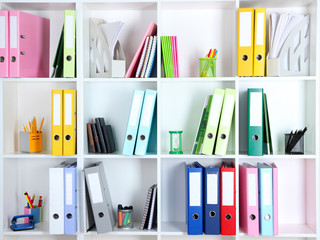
<point x="125" y="218"/>
<point x="298" y="148"/>
<point x="207" y="67"/>
<point x="30" y="142"/>
<point x="36" y="211"/>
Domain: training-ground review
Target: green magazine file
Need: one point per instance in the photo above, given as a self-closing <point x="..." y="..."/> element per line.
<point x="255" y="121"/>
<point x="213" y="121"/>
<point x="225" y="121"/>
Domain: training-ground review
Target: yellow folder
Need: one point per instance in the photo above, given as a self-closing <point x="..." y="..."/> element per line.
<point x="69" y="48"/>
<point x="259" y="47"/>
<point x="69" y="122"/>
<point x="57" y="118"/>
<point x="245" y="41"/>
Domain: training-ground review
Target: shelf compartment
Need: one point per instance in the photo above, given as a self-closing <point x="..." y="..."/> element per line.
<point x="100" y="99"/>
<point x="128" y="181"/>
<point x="26" y="175"/>
<point x="294" y="111"/>
<point x="136" y="17"/>
<point x="173" y="195"/>
<point x="296" y="194"/>
<point x="180" y="108"/>
<point x="198" y="16"/>
<point x="54" y="11"/>
<point x="22" y="101"/>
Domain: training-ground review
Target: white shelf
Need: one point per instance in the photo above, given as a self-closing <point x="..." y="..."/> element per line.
<point x="293" y="102"/>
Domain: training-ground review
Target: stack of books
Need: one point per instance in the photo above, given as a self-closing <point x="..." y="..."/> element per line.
<point x="100" y="137"/>
<point x="170" y="56"/>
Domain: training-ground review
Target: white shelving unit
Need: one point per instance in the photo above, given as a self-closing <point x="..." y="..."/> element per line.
<point x="293" y="102"/>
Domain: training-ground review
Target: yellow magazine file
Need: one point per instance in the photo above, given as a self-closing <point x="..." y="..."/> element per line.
<point x="245" y="42"/>
<point x="69" y="122"/>
<point x="259" y="47"/>
<point x="57" y="118"/>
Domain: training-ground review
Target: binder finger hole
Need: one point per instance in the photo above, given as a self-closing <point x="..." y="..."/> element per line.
<point x="195" y="216"/>
<point x="55" y="216"/>
<point x="129" y="137"/>
<point x="69" y="215"/>
<point x="142" y="137"/>
<point x="2" y="59"/>
<point x="212" y="213"/>
<point x="245" y="57"/>
<point x="67" y="137"/>
<point x="223" y="136"/>
<point x="56" y="137"/>
<point x="267" y="217"/>
<point x="210" y="135"/>
<point x="228" y="216"/>
<point x="101" y="214"/>
<point x="259" y="57"/>
<point x="13" y="59"/>
<point x="69" y="58"/>
<point x="252" y="217"/>
<point x="255" y="137"/>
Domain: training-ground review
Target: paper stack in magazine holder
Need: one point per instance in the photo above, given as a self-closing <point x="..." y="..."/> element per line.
<point x="99" y="49"/>
<point x="291" y="56"/>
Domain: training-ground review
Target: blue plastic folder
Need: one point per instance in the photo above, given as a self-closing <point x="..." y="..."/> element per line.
<point x="70" y="199"/>
<point x="133" y="123"/>
<point x="265" y="200"/>
<point x="194" y="175"/>
<point x="145" y="124"/>
<point x="211" y="200"/>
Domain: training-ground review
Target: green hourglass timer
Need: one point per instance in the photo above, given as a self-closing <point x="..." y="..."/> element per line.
<point x="175" y="142"/>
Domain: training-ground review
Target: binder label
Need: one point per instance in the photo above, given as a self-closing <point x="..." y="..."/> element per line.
<point x="267" y="195"/>
<point x="194" y="189"/>
<point x="68" y="189"/>
<point x="226" y="119"/>
<point x="69" y="32"/>
<point x="212" y="188"/>
<point x="256" y="109"/>
<point x="135" y="109"/>
<point x="260" y="29"/>
<point x="252" y="189"/>
<point x="67" y="109"/>
<point x="94" y="183"/>
<point x="215" y="110"/>
<point x="147" y="111"/>
<point x="2" y="32"/>
<point x="227" y="188"/>
<point x="13" y="32"/>
<point x="245" y="29"/>
<point x="56" y="109"/>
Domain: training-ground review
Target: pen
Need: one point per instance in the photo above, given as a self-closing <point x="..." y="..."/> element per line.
<point x="41" y="125"/>
<point x="32" y="200"/>
<point x="28" y="199"/>
<point x="40" y="201"/>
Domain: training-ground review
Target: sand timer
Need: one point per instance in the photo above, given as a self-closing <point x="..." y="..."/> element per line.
<point x="175" y="142"/>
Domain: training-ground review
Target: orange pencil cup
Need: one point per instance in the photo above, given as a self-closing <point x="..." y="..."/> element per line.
<point x="30" y="142"/>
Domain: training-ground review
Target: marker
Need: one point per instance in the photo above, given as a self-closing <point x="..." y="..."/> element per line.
<point x="28" y="199"/>
<point x="40" y="201"/>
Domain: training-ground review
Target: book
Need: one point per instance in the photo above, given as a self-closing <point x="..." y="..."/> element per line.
<point x="152" y="58"/>
<point x="91" y="148"/>
<point x="95" y="137"/>
<point x="147" y="57"/>
<point x="143" y="55"/>
<point x="153" y="208"/>
<point x="146" y="211"/>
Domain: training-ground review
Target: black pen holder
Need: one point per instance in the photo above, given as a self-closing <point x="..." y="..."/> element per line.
<point x="298" y="147"/>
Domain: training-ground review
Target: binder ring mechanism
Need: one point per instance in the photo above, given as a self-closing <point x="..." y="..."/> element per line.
<point x="195" y="216"/>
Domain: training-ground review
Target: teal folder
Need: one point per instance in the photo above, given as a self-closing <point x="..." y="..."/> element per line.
<point x="255" y="121"/>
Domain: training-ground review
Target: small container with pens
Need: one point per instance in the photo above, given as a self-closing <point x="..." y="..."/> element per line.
<point x="33" y="209"/>
<point x="294" y="142"/>
<point x="125" y="217"/>
<point x="208" y="64"/>
<point x="31" y="141"/>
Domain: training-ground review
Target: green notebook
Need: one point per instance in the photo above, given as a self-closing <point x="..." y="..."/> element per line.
<point x="58" y="60"/>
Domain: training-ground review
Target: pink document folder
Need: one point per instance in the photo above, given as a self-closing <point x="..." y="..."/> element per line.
<point x="249" y="200"/>
<point x="4" y="44"/>
<point x="151" y="31"/>
<point x="29" y="45"/>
